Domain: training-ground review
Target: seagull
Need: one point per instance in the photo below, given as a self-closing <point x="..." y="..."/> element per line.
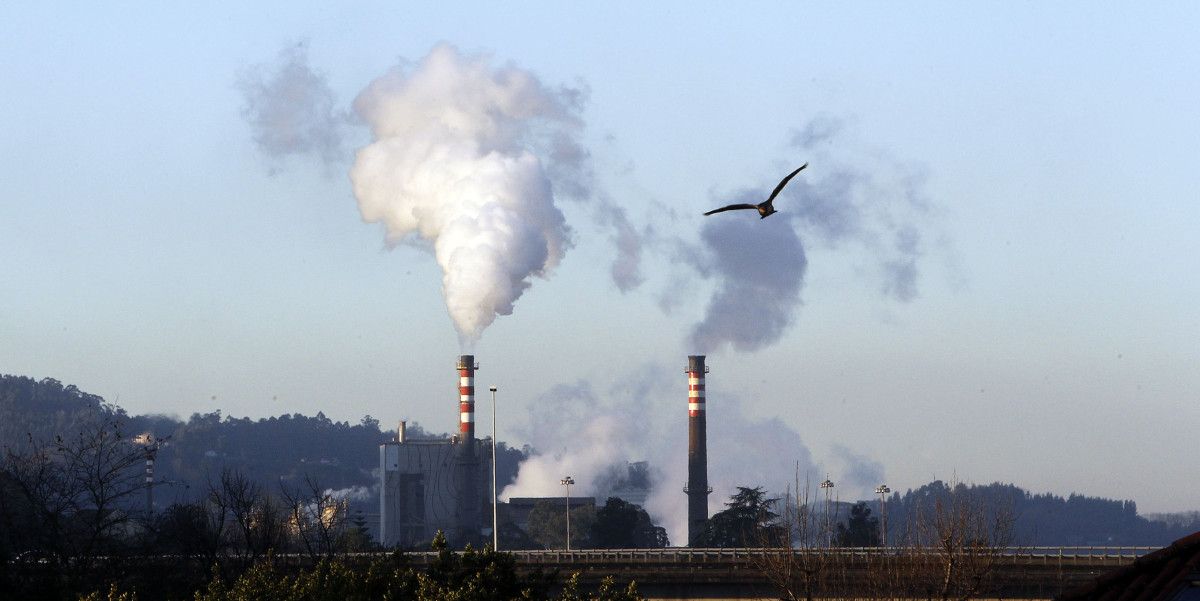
<point x="765" y="208"/>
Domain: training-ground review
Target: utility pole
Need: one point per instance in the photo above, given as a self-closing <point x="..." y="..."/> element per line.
<point x="567" y="482"/>
<point x="495" y="514"/>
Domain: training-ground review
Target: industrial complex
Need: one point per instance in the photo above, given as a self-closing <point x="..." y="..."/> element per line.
<point x="445" y="485"/>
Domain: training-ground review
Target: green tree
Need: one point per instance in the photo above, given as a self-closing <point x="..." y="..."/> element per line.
<point x="548" y="524"/>
<point x="608" y="591"/>
<point x="467" y="576"/>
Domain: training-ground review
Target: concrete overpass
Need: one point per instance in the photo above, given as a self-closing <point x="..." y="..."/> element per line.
<point x="738" y="574"/>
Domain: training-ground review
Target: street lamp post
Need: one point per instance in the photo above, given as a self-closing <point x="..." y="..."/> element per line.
<point x="567" y="482"/>
<point x="495" y="514"/>
<point x="882" y="490"/>
<point x="827" y="486"/>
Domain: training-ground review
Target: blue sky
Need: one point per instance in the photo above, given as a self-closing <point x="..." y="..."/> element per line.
<point x="1046" y="153"/>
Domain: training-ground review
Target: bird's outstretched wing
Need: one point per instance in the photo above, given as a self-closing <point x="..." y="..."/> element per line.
<point x="784" y="182"/>
<point x="733" y="208"/>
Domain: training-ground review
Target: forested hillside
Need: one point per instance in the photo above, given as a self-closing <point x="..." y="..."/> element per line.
<point x="271" y="451"/>
<point x="282" y="451"/>
<point x="1043" y="519"/>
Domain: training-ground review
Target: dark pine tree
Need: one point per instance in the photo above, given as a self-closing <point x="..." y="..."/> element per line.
<point x="860" y="529"/>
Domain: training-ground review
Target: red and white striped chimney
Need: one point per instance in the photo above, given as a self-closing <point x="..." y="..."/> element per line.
<point x="466" y="397"/>
<point x="697" y="488"/>
<point x="696" y="386"/>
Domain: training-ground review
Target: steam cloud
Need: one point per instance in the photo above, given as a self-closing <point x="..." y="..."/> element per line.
<point x="290" y="109"/>
<point x="467" y="161"/>
<point x="582" y="437"/>
<point x="455" y="165"/>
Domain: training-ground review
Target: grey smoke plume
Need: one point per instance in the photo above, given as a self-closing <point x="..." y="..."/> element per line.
<point x="819" y="130"/>
<point x="858" y="474"/>
<point x="290" y="108"/>
<point x="758" y="266"/>
<point x="466" y="162"/>
<point x="626" y="268"/>
<point x="900" y="271"/>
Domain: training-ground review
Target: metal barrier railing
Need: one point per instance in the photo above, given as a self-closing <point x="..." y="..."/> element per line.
<point x="737" y="555"/>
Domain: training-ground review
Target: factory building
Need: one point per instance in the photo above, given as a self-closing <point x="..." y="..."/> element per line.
<point x="431" y="485"/>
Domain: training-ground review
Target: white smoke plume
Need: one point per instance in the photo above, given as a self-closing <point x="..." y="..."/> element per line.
<point x="499" y="136"/>
<point x="355" y="493"/>
<point x="290" y="109"/>
<point x="582" y="437"/>
<point x="466" y="162"/>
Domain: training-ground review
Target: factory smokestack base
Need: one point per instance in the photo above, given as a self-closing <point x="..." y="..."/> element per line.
<point x="697" y="488"/>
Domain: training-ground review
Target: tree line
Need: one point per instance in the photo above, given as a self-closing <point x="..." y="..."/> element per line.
<point x="73" y="523"/>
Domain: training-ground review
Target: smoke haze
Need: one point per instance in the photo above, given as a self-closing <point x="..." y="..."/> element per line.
<point x="587" y="434"/>
<point x="626" y="271"/>
<point x="290" y="109"/>
<point x="858" y="474"/>
<point x="576" y="434"/>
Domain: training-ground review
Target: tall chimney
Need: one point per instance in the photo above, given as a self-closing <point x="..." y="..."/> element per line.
<point x="466" y="397"/>
<point x="697" y="488"/>
<point x="468" y="503"/>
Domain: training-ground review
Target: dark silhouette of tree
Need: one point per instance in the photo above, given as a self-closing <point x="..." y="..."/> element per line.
<point x="948" y="550"/>
<point x="192" y="529"/>
<point x="256" y="522"/>
<point x="70" y="502"/>
<point x="747" y="521"/>
<point x="860" y="529"/>
<point x="513" y="538"/>
<point x="623" y="525"/>
<point x="79" y="490"/>
<point x="317" y="518"/>
<point x="356" y="537"/>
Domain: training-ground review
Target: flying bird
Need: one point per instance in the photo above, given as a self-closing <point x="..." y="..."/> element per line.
<point x="766" y="207"/>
